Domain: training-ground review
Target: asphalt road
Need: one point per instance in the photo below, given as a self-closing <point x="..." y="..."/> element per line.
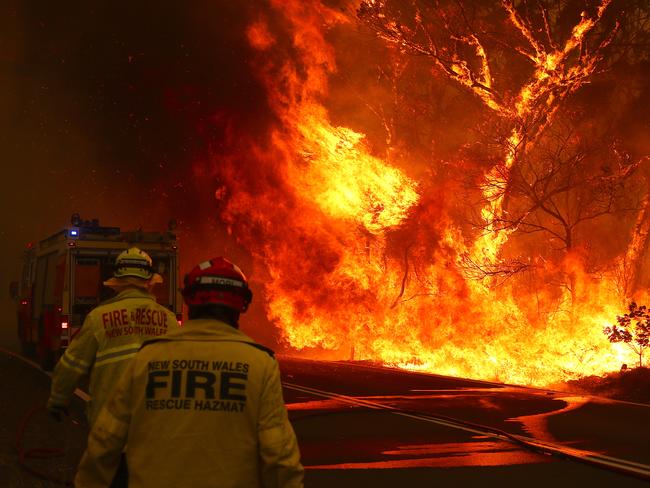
<point x="360" y="425"/>
<point x="363" y="426"/>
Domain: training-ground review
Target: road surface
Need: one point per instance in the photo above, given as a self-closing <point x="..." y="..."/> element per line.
<point x="360" y="425"/>
<point x="363" y="426"/>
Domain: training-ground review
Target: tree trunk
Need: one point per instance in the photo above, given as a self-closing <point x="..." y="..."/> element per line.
<point x="638" y="246"/>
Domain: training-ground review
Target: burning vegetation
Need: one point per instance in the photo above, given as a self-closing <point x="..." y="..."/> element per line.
<point x="446" y="185"/>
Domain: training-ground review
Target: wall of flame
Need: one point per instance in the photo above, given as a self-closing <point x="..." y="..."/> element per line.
<point x="360" y="256"/>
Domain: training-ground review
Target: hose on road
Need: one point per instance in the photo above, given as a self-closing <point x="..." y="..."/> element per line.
<point x="37" y="452"/>
<point x="24" y="454"/>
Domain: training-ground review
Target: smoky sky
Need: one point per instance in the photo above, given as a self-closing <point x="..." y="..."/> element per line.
<point x="139" y="79"/>
<point x="110" y="109"/>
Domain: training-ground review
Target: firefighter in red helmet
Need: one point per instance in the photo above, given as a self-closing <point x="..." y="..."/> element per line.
<point x="206" y="396"/>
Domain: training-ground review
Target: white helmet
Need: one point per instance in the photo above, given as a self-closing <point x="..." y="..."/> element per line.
<point x="133" y="262"/>
<point x="133" y="267"/>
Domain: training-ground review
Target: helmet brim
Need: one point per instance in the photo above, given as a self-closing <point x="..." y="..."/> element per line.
<point x="116" y="282"/>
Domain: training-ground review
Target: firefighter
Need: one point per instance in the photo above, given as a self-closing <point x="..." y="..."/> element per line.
<point x="109" y="338"/>
<point x="111" y="334"/>
<point x="201" y="406"/>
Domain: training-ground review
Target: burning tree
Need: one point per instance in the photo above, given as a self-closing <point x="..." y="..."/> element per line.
<point x="354" y="217"/>
<point x="633" y="329"/>
<point x="555" y="196"/>
<point x="567" y="181"/>
<point x="458" y="42"/>
<point x="632" y="262"/>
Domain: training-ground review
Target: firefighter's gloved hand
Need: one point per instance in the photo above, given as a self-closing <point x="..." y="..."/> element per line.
<point x="57" y="412"/>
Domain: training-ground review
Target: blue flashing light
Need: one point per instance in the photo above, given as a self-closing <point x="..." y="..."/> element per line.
<point x="74" y="233"/>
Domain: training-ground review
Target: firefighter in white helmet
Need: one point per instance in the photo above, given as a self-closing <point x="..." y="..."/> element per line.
<point x="200" y="407"/>
<point x="111" y="334"/>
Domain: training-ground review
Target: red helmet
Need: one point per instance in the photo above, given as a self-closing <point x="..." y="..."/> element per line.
<point x="217" y="282"/>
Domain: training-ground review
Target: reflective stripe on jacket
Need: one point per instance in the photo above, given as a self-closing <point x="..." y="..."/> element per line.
<point x="201" y="407"/>
<point x="110" y="336"/>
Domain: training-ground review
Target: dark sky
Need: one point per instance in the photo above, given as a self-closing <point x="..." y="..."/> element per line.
<point x="108" y="109"/>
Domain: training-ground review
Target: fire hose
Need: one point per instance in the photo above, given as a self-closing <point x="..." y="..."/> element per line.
<point x="25" y="454"/>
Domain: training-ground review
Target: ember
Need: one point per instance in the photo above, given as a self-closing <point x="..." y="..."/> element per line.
<point x="366" y="243"/>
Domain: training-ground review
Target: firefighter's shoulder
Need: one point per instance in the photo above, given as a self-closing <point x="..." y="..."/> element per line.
<point x="267" y="350"/>
<point x="108" y="302"/>
<point x="166" y="339"/>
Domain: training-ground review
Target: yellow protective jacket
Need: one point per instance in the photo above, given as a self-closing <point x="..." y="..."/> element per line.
<point x="110" y="337"/>
<point x="201" y="407"/>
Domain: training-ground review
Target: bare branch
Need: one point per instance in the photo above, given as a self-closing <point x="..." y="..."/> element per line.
<point x="496" y="274"/>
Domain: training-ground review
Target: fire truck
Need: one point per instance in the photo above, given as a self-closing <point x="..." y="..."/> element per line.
<point x="62" y="281"/>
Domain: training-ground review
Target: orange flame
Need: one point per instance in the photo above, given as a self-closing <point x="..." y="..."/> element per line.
<point x="321" y="214"/>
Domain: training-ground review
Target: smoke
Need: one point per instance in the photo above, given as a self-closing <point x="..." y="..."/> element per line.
<point x="112" y="110"/>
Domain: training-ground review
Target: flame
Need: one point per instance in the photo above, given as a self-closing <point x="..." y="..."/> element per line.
<point x="325" y="218"/>
<point x="549" y="79"/>
<point x="259" y="36"/>
<point x="345" y="181"/>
